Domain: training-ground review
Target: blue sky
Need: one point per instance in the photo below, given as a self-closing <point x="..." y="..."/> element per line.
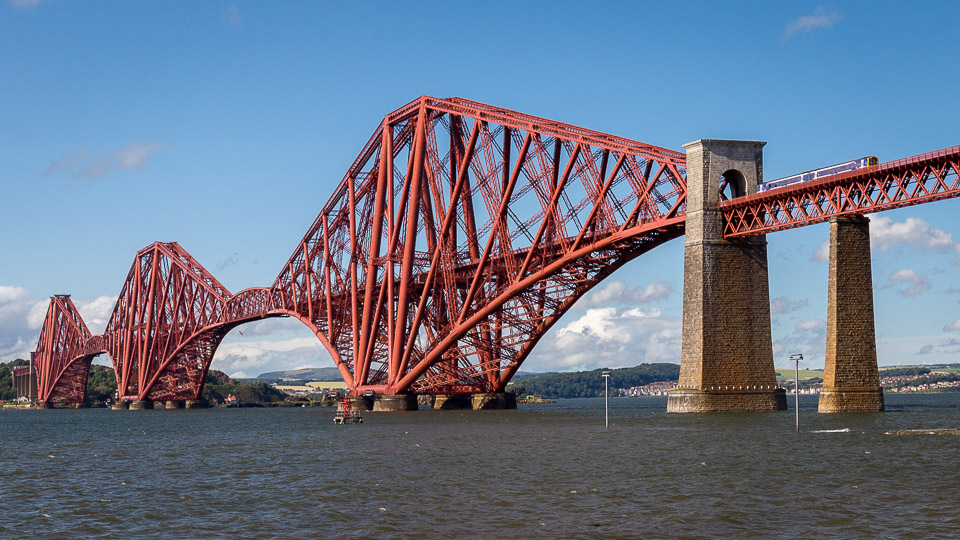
<point x="225" y="126"/>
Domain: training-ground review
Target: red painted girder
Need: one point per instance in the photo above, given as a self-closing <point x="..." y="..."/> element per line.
<point x="915" y="180"/>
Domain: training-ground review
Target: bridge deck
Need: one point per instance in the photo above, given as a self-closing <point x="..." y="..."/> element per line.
<point x="904" y="182"/>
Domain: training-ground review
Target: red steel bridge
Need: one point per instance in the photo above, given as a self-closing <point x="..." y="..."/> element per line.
<point x="460" y="234"/>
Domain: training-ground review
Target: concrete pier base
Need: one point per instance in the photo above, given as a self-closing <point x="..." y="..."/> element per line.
<point x="394" y="403"/>
<point x="140" y="405"/>
<point x="685" y="400"/>
<point x="44" y="405"/>
<point x="851" y="399"/>
<point x="196" y="404"/>
<point x="82" y="405"/>
<point x="360" y="403"/>
<point x="452" y="402"/>
<point x="494" y="400"/>
<point x="160" y="405"/>
<point x="173" y="404"/>
<point x="121" y="406"/>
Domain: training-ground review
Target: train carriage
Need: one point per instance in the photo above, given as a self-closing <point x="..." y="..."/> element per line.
<point x="819" y="173"/>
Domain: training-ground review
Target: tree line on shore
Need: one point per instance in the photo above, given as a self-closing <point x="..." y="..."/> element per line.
<point x="583" y="384"/>
<point x="7" y="391"/>
<point x="102" y="383"/>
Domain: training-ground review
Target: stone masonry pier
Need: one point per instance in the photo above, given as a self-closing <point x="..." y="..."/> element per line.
<point x="851" y="382"/>
<point x="726" y="361"/>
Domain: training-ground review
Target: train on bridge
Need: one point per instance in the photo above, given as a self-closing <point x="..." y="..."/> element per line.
<point x="819" y="173"/>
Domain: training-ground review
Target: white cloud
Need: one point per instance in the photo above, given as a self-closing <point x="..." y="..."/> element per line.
<point x="264" y="327"/>
<point x="821" y="18"/>
<point x="248" y="358"/>
<point x="37" y="313"/>
<point x="952" y="327"/>
<point x="915" y="232"/>
<point x="233" y="15"/>
<point x="783" y="304"/>
<point x="813" y="325"/>
<point x="96" y="312"/>
<point x="21" y="317"/>
<point x="886" y="234"/>
<point x="918" y="283"/>
<point x="608" y="337"/>
<point x="808" y="337"/>
<point x="11" y="294"/>
<point x="616" y="291"/>
<point x="822" y="253"/>
<point x="133" y="157"/>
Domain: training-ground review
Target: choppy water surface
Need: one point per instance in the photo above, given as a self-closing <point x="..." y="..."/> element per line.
<point x="541" y="471"/>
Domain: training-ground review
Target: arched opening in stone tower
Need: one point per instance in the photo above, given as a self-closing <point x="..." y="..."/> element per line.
<point x="732" y="185"/>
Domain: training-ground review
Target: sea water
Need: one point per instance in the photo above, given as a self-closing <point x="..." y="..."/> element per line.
<point x="543" y="471"/>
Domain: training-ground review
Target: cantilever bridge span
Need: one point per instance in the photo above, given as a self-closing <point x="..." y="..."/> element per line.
<point x="460" y="234"/>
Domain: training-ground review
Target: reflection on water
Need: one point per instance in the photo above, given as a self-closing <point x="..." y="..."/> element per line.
<point x="546" y="470"/>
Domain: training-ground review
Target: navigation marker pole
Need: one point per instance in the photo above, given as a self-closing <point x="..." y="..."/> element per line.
<point x="606" y="400"/>
<point x="797" y="358"/>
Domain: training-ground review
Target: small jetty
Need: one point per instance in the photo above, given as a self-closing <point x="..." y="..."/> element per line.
<point x="924" y="432"/>
<point x="346" y="414"/>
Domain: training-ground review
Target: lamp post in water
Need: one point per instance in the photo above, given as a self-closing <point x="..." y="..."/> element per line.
<point x="797" y="358"/>
<point x="606" y="399"/>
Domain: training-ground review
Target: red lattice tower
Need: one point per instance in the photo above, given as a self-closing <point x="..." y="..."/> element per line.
<point x="165" y="326"/>
<point x="462" y="233"/>
<point x="60" y="360"/>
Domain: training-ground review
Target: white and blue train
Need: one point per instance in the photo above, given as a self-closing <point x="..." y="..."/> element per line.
<point x="819" y="173"/>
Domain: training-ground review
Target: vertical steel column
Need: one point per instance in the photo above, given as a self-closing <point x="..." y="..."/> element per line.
<point x="410" y="242"/>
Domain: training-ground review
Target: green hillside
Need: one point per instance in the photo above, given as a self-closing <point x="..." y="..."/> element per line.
<point x="590" y="383"/>
<point x="784" y="373"/>
<point x="327" y="374"/>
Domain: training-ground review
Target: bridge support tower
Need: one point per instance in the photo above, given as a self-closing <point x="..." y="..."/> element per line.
<point x="851" y="381"/>
<point x="726" y="361"/>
